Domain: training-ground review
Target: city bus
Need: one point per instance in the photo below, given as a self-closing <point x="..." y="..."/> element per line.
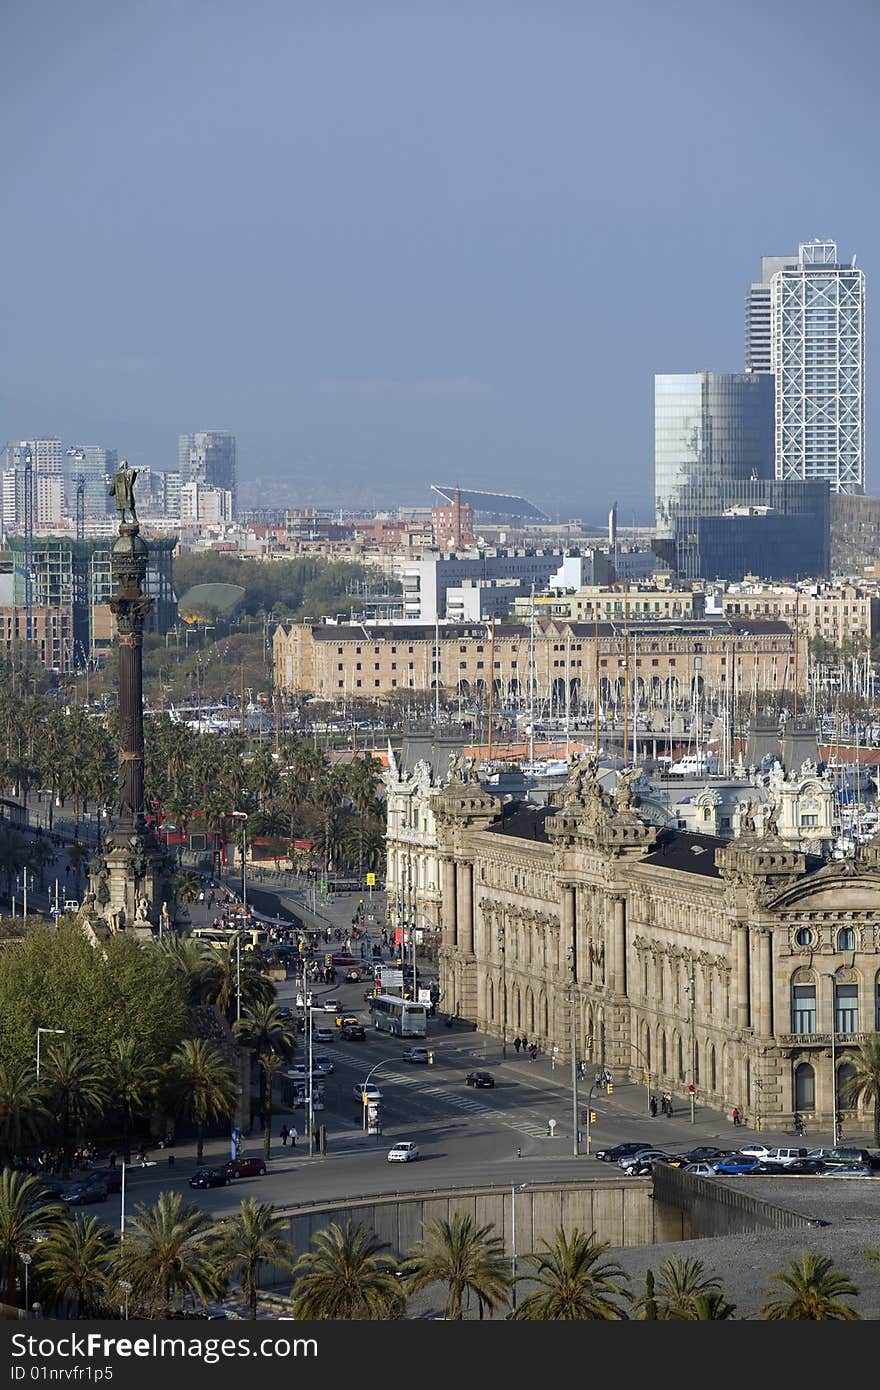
<point x="404" y="1019"/>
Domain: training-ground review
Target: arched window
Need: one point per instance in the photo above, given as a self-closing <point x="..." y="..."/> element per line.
<point x="663" y="1057"/>
<point x="845" y="1075"/>
<point x="846" y="939"/>
<point x="680" y="1061"/>
<point x="803" y="1006"/>
<point x="846" y="1008"/>
<point x="647" y="1048"/>
<point x="713" y="1075"/>
<point x="804" y="1087"/>
<point x="491" y="999"/>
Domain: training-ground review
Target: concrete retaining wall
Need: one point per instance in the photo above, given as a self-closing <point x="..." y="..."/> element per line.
<point x="710" y="1208"/>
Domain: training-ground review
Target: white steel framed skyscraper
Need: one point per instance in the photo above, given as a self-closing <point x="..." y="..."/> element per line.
<point x="818" y="357"/>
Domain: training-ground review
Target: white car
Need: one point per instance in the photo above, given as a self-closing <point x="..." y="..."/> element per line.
<point x="756" y="1151"/>
<point x="330" y="1006"/>
<point x="403" y="1153"/>
<point x="372" y="1092"/>
<point x="700" y="1170"/>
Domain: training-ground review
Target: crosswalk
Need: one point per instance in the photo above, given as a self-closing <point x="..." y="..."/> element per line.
<point x="458" y="1100"/>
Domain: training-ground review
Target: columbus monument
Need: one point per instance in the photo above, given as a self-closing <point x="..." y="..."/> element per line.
<point x="131" y="882"/>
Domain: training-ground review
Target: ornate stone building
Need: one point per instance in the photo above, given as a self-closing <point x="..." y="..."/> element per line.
<point x="712" y="963"/>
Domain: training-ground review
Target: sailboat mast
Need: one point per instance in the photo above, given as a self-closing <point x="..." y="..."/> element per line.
<point x="532" y="681"/>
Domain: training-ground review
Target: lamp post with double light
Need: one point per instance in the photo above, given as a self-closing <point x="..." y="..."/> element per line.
<point x="502" y="949"/>
<point x="832" y="976"/>
<point x="691" y="991"/>
<point x="26" y="1259"/>
<point x="241" y="816"/>
<point x="513" y="1191"/>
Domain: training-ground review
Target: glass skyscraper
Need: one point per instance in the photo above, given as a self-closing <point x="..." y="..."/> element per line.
<point x="208" y="457"/>
<point x="818" y="358"/>
<point x="719" y="511"/>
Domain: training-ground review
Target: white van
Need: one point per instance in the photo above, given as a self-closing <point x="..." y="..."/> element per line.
<point x="785" y="1156"/>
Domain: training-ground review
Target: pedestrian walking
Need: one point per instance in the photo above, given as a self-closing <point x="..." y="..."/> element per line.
<point x="292" y="1135"/>
<point x="516" y="1043"/>
<point x="533" y="1051"/>
<point x="735" y="1116"/>
<point x="284" y="1131"/>
<point x="652" y="1106"/>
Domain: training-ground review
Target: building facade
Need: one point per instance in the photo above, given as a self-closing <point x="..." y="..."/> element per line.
<point x="663" y="661"/>
<point x="209" y="457"/>
<point x="721" y="965"/>
<point x="831" y="612"/>
<point x="759" y="352"/>
<point x="818" y="360"/>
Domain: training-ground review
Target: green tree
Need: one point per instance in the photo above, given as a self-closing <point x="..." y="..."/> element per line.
<point x="76" y="1090"/>
<point x="864" y="1083"/>
<point x="256" y="1235"/>
<point x="131" y="1084"/>
<point x="676" y="1293"/>
<point x="169" y="1256"/>
<point x="203" y="1086"/>
<point x="346" y="1277"/>
<point x="233" y="968"/>
<point x="464" y="1257"/>
<point x="73" y="1262"/>
<point x="23" y="1116"/>
<point x="23" y="1215"/>
<point x="575" y="1283"/>
<point x="271" y="1039"/>
<point x="811" y="1293"/>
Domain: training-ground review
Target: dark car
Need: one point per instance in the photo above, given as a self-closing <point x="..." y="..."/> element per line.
<point x="284" y="1011"/>
<point x="704" y="1153"/>
<point x="479" y="1078"/>
<point x="620" y="1151"/>
<point x="82" y="1192"/>
<point x="739" y="1165"/>
<point x="110" y="1177"/>
<point x="354" y="1032"/>
<point x="245" y="1168"/>
<point x="416" y="1054"/>
<point x="209" y="1177"/>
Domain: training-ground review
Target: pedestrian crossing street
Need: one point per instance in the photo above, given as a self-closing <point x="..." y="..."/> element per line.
<point x="465" y="1100"/>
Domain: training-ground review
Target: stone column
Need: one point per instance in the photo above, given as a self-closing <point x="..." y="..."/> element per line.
<point x="762" y="978"/>
<point x="465" y="907"/>
<point x="568" y="936"/>
<point x="449" y="906"/>
<point x="618" y="945"/>
<point x="742" y="1016"/>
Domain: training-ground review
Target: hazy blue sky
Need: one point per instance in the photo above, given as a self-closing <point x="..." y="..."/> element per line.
<point x="391" y="243"/>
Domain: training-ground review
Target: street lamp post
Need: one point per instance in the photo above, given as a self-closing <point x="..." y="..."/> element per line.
<point x="307" y="1001"/>
<point x="832" y="976"/>
<point x="513" y="1192"/>
<point x="572" y="962"/>
<point x="690" y="988"/>
<point x="44" y="1030"/>
<point x="502" y="947"/>
<point x="125" y="1290"/>
<point x="243" y="817"/>
<point x="26" y="1258"/>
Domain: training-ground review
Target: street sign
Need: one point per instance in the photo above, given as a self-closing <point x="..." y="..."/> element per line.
<point x="371" y="880"/>
<point x="390" y="978"/>
<point x="692" y="1090"/>
<point x="425" y="996"/>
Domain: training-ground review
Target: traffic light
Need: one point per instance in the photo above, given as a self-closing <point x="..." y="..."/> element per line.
<point x="609" y="1088"/>
<point x="593" y="1117"/>
<point x="646" y="1077"/>
<point x="585" y="1117"/>
<point x="588" y="1042"/>
<point x="365" y="1098"/>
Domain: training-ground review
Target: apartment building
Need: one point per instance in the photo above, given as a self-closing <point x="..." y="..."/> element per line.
<point x="830" y="612"/>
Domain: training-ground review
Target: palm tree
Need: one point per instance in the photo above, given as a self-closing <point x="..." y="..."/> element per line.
<point x="203" y="1085"/>
<point x="270" y="1063"/>
<point x="712" y="1307"/>
<point x="255" y="1236"/>
<point x="675" y="1294"/>
<point x="22" y="1216"/>
<point x="465" y="1258"/>
<point x="232" y="970"/>
<point x="76" y="1090"/>
<point x="813" y="1293"/>
<point x="864" y="1083"/>
<point x="262" y="1029"/>
<point x="346" y="1277"/>
<point x="74" y="1260"/>
<point x="22" y="1112"/>
<point x="191" y="960"/>
<point x="131" y="1083"/>
<point x="187" y="886"/>
<point x="574" y="1284"/>
<point x="169" y="1255"/>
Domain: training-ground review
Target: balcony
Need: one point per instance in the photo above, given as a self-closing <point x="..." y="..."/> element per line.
<point x="822" y="1039"/>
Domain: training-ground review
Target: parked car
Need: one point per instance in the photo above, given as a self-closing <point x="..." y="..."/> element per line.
<point x="832" y="1158"/>
<point x="80" y="1193"/>
<point x="415" y="1054"/>
<point x="630" y="1161"/>
<point x="644" y="1167"/>
<point x="284" y="1010"/>
<point x="700" y="1170"/>
<point x="851" y="1170"/>
<point x="703" y="1153"/>
<point x="354" y="1032"/>
<point x="620" y="1151"/>
<point x="110" y="1177"/>
<point x="784" y="1157"/>
<point x="403" y="1152"/>
<point x="480" y="1079"/>
<point x="246" y="1168"/>
<point x="755" y="1151"/>
<point x="737" y="1165"/>
<point x="209" y="1177"/>
<point x="323" y="1035"/>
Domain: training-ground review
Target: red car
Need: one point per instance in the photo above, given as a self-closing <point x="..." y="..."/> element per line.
<point x="246" y="1168"/>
